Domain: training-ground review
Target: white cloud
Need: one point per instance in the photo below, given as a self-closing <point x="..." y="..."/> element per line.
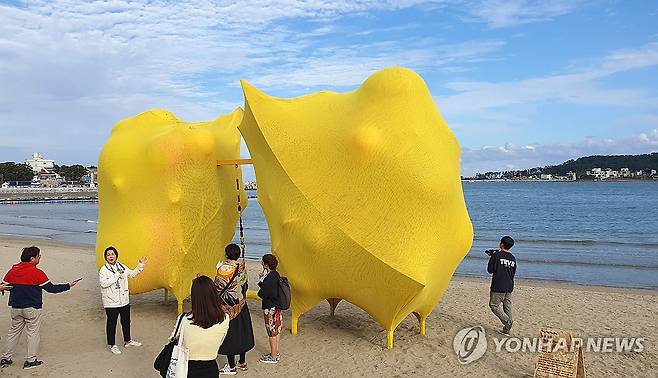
<point x="512" y="157"/>
<point x="348" y="65"/>
<point x="581" y="87"/>
<point x="506" y="13"/>
<point x="78" y="67"/>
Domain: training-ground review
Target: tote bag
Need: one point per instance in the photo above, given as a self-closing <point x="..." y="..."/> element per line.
<point x="179" y="357"/>
<point x="161" y="363"/>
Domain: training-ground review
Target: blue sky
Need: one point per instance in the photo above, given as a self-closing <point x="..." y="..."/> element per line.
<point x="521" y="83"/>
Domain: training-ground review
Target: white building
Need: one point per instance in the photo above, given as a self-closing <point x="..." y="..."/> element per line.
<point x="625" y="172"/>
<point x="37" y="163"/>
<point x="546" y="177"/>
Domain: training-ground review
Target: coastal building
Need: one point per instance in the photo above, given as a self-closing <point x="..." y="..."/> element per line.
<point x="37" y="163"/>
<point x="91" y="178"/>
<point x="625" y="172"/>
<point x="48" y="178"/>
<point x="571" y="176"/>
<point x="546" y="177"/>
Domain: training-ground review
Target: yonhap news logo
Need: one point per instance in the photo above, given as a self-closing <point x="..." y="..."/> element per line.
<point x="470" y="344"/>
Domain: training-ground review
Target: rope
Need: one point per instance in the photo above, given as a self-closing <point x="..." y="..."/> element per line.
<point x="237" y="187"/>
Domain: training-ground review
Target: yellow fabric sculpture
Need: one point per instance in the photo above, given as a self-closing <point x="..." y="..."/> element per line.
<point x="362" y="195"/>
<point x="162" y="195"/>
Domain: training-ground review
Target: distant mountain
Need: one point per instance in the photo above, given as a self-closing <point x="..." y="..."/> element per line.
<point x="584" y="164"/>
<point x="615" y="162"/>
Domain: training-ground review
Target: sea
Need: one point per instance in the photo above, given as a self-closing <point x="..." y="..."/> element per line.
<point x="591" y="233"/>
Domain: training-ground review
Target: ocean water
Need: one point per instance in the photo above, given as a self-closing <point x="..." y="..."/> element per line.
<point x="588" y="233"/>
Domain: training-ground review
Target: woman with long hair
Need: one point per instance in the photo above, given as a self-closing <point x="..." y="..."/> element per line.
<point x="204" y="329"/>
<point x="231" y="281"/>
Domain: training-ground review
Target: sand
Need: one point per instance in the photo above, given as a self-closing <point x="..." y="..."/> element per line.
<point x="349" y="344"/>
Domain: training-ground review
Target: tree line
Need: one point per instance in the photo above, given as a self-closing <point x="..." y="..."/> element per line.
<point x="581" y="165"/>
<point x="10" y="171"/>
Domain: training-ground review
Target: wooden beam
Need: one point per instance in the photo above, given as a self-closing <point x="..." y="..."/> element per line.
<point x="233" y="162"/>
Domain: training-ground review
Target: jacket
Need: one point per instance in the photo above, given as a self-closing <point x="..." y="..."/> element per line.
<point x="27" y="283"/>
<point x="503" y="267"/>
<point x="114" y="284"/>
<point x="269" y="289"/>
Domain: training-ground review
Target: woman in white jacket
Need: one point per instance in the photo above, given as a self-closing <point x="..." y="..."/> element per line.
<point x="113" y="277"/>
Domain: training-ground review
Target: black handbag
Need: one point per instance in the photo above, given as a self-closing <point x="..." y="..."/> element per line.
<point x="163" y="359"/>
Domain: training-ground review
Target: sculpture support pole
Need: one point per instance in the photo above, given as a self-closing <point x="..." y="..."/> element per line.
<point x="180" y="307"/>
<point x="421" y="322"/>
<point x="389" y="339"/>
<point x="166" y="295"/>
<point x="294" y="319"/>
<point x="294" y="326"/>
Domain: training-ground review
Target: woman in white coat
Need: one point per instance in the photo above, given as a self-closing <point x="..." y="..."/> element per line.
<point x="113" y="277"/>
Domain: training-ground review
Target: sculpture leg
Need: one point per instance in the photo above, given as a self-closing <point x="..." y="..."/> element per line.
<point x="333" y="302"/>
<point x="293" y="327"/>
<point x="180" y="307"/>
<point x="421" y="322"/>
<point x="389" y="339"/>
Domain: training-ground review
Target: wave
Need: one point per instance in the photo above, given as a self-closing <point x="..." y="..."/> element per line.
<point x="577" y="242"/>
<point x="57" y="218"/>
<point x="549" y="261"/>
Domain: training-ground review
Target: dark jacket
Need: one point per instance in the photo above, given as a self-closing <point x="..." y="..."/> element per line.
<point x="503" y="266"/>
<point x="27" y="283"/>
<point x="269" y="290"/>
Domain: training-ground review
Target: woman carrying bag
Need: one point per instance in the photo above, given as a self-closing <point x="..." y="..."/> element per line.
<point x="202" y="330"/>
<point x="231" y="281"/>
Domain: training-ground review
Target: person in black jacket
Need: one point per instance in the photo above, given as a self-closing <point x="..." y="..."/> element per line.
<point x="502" y="265"/>
<point x="269" y="294"/>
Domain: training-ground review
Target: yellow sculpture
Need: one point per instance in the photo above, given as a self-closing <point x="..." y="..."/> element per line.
<point x="162" y="195"/>
<point x="362" y="195"/>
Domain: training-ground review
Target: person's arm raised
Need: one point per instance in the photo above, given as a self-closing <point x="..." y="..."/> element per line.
<point x="132" y="273"/>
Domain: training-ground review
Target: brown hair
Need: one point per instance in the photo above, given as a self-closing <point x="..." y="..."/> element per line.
<point x="271" y="261"/>
<point x="205" y="303"/>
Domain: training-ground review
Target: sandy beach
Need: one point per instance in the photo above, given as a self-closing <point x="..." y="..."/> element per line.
<point x="349" y="344"/>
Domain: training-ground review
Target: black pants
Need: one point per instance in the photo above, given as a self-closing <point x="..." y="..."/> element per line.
<point x="111" y="326"/>
<point x="231" y="360"/>
<point x="202" y="369"/>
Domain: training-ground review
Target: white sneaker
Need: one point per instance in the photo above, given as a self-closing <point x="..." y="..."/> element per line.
<point x="133" y="343"/>
<point x="226" y="370"/>
<point x="115" y="349"/>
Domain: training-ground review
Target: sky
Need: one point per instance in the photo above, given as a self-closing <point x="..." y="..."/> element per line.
<point x="521" y="83"/>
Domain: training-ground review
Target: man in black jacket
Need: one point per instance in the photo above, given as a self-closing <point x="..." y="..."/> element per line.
<point x="502" y="265"/>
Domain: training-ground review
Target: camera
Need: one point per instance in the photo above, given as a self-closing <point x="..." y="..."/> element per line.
<point x="490" y="251"/>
